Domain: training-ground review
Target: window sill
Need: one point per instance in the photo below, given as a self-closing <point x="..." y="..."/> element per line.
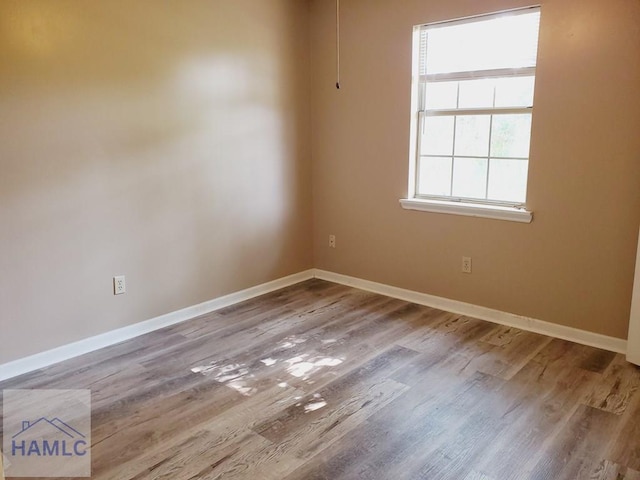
<point x="468" y="209"/>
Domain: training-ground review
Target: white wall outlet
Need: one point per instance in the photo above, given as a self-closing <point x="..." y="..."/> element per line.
<point x="119" y="285"/>
<point x="466" y="264"/>
<point x="332" y="241"/>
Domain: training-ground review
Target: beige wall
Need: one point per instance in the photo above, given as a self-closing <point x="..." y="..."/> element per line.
<point x="574" y="264"/>
<point x="167" y="141"/>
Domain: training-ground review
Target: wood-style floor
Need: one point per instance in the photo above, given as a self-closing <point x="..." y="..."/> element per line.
<point x="321" y="381"/>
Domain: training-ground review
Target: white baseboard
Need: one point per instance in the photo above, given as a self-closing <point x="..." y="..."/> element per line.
<point x="65" y="352"/>
<point x="576" y="335"/>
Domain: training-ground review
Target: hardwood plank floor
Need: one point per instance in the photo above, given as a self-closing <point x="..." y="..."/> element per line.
<point x="322" y="381"/>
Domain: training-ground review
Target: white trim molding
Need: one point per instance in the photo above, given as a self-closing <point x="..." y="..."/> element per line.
<point x="65" y="352"/>
<point x="71" y="350"/>
<point x="496" y="212"/>
<point x="563" y="332"/>
<point x="633" y="346"/>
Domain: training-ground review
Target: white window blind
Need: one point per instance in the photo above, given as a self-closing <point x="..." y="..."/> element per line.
<point x="503" y="41"/>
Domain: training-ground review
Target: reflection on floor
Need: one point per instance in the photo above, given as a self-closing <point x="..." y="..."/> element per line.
<point x="321" y="381"/>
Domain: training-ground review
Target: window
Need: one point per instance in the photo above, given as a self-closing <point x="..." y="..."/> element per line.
<point x="473" y="95"/>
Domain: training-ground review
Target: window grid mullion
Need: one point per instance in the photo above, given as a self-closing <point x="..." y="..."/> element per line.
<point x="486" y="178"/>
<point x="453" y="147"/>
<point x="421" y="121"/>
<point x="477" y="111"/>
<point x="486" y="183"/>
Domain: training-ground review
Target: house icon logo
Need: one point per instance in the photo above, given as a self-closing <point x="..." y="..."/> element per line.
<point x="45" y="437"/>
<point x="47" y="433"/>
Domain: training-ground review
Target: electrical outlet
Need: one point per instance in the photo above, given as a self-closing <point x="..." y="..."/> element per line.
<point x="119" y="286"/>
<point x="332" y="241"/>
<point x="466" y="264"/>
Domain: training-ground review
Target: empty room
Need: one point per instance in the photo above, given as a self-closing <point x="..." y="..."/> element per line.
<point x="320" y="239"/>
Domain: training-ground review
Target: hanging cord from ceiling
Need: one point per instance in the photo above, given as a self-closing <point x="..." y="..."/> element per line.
<point x="338" y="44"/>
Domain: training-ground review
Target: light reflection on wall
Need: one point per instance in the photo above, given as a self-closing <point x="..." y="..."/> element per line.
<point x="217" y="78"/>
<point x="234" y="102"/>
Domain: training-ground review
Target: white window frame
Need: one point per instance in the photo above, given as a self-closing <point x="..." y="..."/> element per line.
<point x="451" y="204"/>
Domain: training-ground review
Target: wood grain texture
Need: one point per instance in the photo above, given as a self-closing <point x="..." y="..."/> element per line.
<point x="321" y="381"/>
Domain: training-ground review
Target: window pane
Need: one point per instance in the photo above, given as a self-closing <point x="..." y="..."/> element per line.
<point x="476" y="94"/>
<point x="435" y="176"/>
<point x="514" y="92"/>
<point x="441" y="95"/>
<point x="472" y="135"/>
<point x="437" y="136"/>
<point x="508" y="180"/>
<point x="504" y="42"/>
<point x="470" y="177"/>
<point x="474" y="130"/>
<point x="510" y="135"/>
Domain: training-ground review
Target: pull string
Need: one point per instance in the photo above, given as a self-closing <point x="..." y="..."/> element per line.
<point x="338" y="44"/>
